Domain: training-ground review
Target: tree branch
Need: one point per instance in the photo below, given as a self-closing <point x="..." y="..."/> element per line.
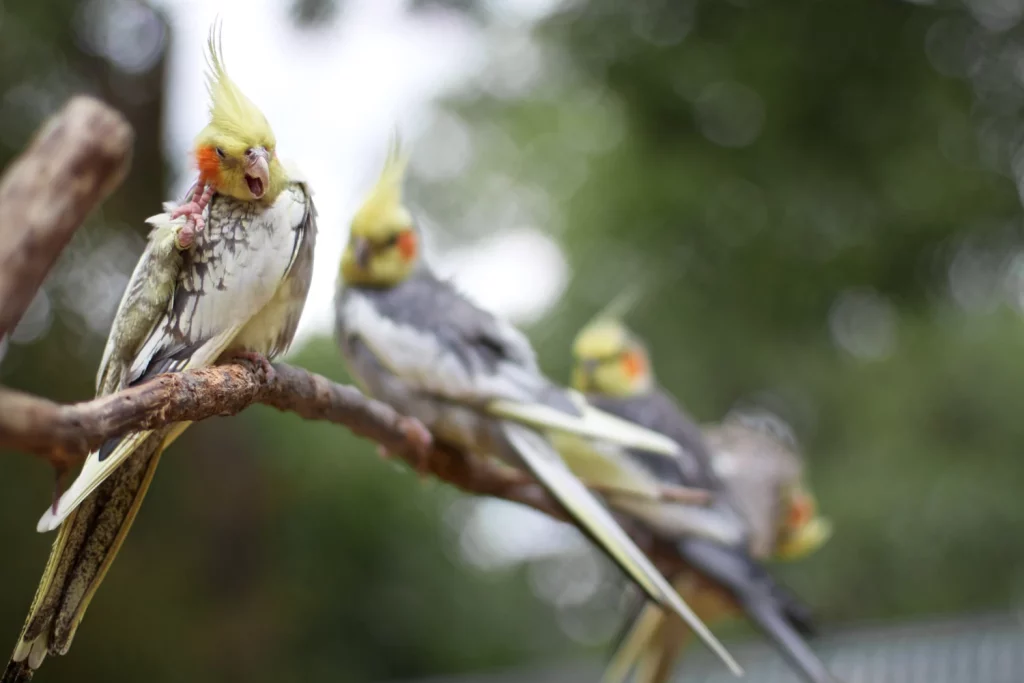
<point x="64" y="434"/>
<point x="77" y="158"/>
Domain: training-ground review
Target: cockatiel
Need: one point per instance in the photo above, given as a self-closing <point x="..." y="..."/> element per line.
<point x="756" y="457"/>
<point x="411" y="340"/>
<point x="613" y="369"/>
<point x="237" y="289"/>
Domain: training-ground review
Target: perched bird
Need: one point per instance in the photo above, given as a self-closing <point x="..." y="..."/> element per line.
<point x="413" y="341"/>
<point x="613" y="369"/>
<point x="230" y="284"/>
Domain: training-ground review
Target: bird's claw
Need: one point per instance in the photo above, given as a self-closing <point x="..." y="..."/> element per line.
<point x="193" y="211"/>
<point x="260" y="360"/>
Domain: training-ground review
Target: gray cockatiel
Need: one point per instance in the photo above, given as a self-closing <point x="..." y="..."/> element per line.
<point x="237" y="290"/>
<point x="414" y="342"/>
<point x="613" y="370"/>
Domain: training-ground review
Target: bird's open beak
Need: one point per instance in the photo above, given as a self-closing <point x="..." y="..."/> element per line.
<point x="257" y="171"/>
<point x="361" y="247"/>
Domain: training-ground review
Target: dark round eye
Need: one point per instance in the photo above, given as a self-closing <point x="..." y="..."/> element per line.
<point x="220" y="152"/>
<point x="391" y="241"/>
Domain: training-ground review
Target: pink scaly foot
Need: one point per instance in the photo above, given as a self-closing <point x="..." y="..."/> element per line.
<point x="192" y="209"/>
<point x="258" y="359"/>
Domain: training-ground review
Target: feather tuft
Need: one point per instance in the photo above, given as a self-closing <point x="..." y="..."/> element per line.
<point x="383" y="206"/>
<point x="231" y="111"/>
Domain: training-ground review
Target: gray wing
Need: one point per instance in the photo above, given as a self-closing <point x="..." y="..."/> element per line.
<point x="658" y="412"/>
<point x="439" y="343"/>
<point x="142" y="306"/>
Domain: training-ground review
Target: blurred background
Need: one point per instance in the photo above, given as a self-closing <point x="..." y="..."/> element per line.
<point x="819" y="199"/>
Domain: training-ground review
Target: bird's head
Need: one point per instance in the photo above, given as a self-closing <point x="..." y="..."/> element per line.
<point x="236" y="151"/>
<point x="801" y="529"/>
<point x="383" y="245"/>
<point x="609" y="360"/>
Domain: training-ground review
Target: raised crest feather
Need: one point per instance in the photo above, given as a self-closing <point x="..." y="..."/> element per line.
<point x="384" y="201"/>
<point x="230" y="110"/>
<point x="618" y="308"/>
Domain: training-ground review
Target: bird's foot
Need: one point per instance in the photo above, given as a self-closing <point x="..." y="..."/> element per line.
<point x="193" y="210"/>
<point x="257" y="359"/>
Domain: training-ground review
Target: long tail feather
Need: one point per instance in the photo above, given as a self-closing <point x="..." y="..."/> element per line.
<point x="84" y="549"/>
<point x="543" y="461"/>
<point x="98" y="466"/>
<point x="757" y="595"/>
<point x="637" y="641"/>
<point x="593" y="423"/>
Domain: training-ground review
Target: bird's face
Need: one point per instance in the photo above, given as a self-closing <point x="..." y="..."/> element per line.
<point x="243" y="166"/>
<point x="382" y="252"/>
<point x="801" y="530"/>
<point x="609" y="361"/>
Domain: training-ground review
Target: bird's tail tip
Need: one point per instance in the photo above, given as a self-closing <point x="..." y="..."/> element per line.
<point x="49" y="521"/>
<point x="28" y="656"/>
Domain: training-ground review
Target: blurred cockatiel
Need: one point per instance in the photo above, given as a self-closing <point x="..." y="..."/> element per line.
<point x="761" y="506"/>
<point x="231" y="284"/>
<point x="413" y="341"/>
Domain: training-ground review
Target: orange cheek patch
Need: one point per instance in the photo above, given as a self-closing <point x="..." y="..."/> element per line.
<point x="634" y="363"/>
<point x="407" y="245"/>
<point x="801" y="510"/>
<point x="209" y="164"/>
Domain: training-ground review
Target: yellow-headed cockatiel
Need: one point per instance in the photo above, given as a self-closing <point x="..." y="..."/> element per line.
<point x="224" y="276"/>
<point x="759" y="508"/>
<point x="413" y="341"/>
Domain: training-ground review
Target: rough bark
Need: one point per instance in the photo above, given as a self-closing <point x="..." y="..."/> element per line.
<point x="63" y="434"/>
<point x="77" y="158"/>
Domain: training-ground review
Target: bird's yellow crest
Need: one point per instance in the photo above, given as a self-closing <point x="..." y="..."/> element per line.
<point x="383" y="245"/>
<point x="382" y="212"/>
<point x="231" y="112"/>
<point x="601" y="338"/>
<point x="605" y="335"/>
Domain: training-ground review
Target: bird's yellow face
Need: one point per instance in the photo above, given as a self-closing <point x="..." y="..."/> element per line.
<point x="244" y="167"/>
<point x="236" y="153"/>
<point x="383" y="245"/>
<point x="801" y="530"/>
<point x="609" y="361"/>
<point x="380" y="254"/>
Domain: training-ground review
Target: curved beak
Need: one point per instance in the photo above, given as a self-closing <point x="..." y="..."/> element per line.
<point x="362" y="250"/>
<point x="257" y="171"/>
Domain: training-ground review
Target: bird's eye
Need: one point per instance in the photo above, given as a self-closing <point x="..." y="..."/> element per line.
<point x="391" y="241"/>
<point x="220" y="152"/>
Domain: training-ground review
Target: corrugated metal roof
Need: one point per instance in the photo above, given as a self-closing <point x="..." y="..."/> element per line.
<point x="984" y="649"/>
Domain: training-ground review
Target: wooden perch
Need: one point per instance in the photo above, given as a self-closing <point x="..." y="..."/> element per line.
<point x="77" y="158"/>
<point x="64" y="434"/>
